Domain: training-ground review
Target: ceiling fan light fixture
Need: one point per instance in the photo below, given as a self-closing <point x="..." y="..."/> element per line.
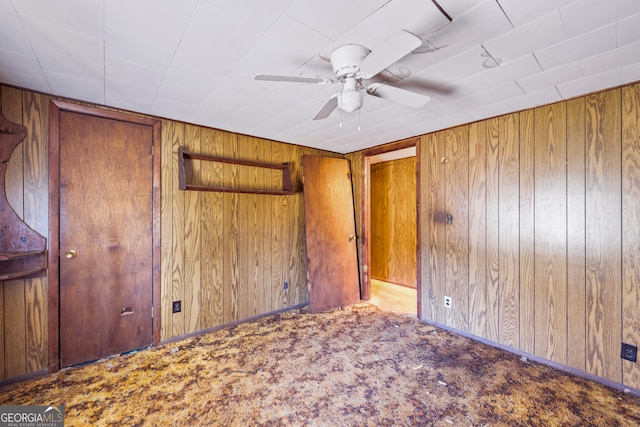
<point x="350" y="101"/>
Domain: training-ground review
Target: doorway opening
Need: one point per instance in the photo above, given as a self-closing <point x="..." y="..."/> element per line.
<point x="390" y="227"/>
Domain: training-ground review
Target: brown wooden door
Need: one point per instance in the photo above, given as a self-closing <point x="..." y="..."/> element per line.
<point x="330" y="230"/>
<point x="106" y="233"/>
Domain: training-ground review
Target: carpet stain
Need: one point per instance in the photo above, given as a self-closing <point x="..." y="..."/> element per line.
<point x="359" y="366"/>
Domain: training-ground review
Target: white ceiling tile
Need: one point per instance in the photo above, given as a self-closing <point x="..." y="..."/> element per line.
<point x="169" y="108"/>
<point x="577" y="48"/>
<point x="17" y="63"/>
<point x="419" y="17"/>
<point x="510" y="71"/>
<point x="128" y="95"/>
<point x="49" y="37"/>
<point x="9" y="15"/>
<point x="551" y="77"/>
<point x="77" y="16"/>
<point x="185" y="85"/>
<point x="586" y="15"/>
<point x="521" y="12"/>
<point x="471" y="29"/>
<point x="454" y="69"/>
<point x="14" y="40"/>
<point x="263" y="14"/>
<point x="86" y="90"/>
<point x="631" y="73"/>
<point x="145" y="52"/>
<point x="333" y="18"/>
<point x="18" y="79"/>
<point x="610" y="59"/>
<point x="544" y="96"/>
<point x="629" y="30"/>
<point x="275" y="53"/>
<point x="590" y="84"/>
<point x="199" y="51"/>
<point x="118" y="69"/>
<point x="545" y="31"/>
<point x="160" y="21"/>
<point x="457" y="8"/>
<point x="490" y="110"/>
<point x="72" y="66"/>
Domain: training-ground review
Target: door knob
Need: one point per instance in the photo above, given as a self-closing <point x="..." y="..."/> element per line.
<point x="70" y="254"/>
<point x="351" y="237"/>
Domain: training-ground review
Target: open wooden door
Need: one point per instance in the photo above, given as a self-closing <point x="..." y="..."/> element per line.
<point x="331" y="233"/>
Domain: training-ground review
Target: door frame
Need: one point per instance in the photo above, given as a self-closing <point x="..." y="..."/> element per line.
<point x="365" y="185"/>
<point x="55" y="107"/>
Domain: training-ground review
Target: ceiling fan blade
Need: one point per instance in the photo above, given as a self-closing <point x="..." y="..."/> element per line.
<point x="292" y="79"/>
<point x="396" y="46"/>
<point x="397" y="95"/>
<point x="327" y="108"/>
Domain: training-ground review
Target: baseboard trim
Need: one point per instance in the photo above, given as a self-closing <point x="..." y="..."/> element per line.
<point x="538" y="359"/>
<point x="230" y="324"/>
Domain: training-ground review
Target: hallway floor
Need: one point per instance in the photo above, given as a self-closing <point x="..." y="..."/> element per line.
<point x="395" y="298"/>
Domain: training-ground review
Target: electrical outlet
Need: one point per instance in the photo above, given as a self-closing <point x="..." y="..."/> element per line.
<point x="286" y="286"/>
<point x="177" y="306"/>
<point x="447" y="302"/>
<point x="629" y="352"/>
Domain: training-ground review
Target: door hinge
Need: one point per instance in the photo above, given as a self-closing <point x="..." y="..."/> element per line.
<point x="152" y="312"/>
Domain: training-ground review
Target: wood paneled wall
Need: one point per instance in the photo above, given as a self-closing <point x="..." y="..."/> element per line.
<point x="393" y="221"/>
<point x="542" y="254"/>
<point x="23" y="303"/>
<point x="225" y="256"/>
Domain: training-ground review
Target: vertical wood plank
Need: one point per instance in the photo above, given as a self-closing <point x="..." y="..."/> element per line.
<point x="285" y="294"/>
<point x="192" y="240"/>
<point x="3" y="373"/>
<point x="576" y="194"/>
<point x="604" y="238"/>
<point x="245" y="281"/>
<point x="434" y="223"/>
<point x="380" y="221"/>
<point x="166" y="231"/>
<point x="527" y="231"/>
<point x="231" y="230"/>
<point x="478" y="229"/>
<point x="15" y="318"/>
<point x="493" y="224"/>
<point x="457" y="233"/>
<point x="631" y="228"/>
<point x="36" y="215"/>
<point x="508" y="238"/>
<point x="551" y="232"/>
<point x="175" y="137"/>
<point x="12" y="109"/>
<point x="14" y="309"/>
<point x="212" y="235"/>
<point x="296" y="257"/>
<point x="256" y="231"/>
<point x="266" y="223"/>
<point x="277" y="238"/>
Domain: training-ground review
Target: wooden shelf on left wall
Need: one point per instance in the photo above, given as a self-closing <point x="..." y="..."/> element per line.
<point x="23" y="253"/>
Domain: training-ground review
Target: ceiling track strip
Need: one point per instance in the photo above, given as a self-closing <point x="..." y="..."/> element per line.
<point x="446" y="15"/>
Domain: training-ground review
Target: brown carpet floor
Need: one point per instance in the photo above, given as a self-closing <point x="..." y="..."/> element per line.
<point x="358" y="366"/>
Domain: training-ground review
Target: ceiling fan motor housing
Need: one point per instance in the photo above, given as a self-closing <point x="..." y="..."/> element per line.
<point x="346" y="60"/>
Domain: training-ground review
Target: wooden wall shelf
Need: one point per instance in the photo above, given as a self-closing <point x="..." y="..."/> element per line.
<point x="23" y="252"/>
<point x="285" y="189"/>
